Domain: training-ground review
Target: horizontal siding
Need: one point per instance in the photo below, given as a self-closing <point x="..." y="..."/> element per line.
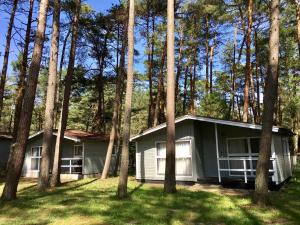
<point x="146" y="151"/>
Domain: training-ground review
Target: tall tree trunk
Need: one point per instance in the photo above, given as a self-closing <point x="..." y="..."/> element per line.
<point x="55" y="178"/>
<point x="185" y="90"/>
<point x="271" y="86"/>
<point x="58" y="86"/>
<point x="257" y="65"/>
<point x="150" y="52"/>
<point x="17" y="155"/>
<point x="43" y="182"/>
<point x="232" y="94"/>
<point x="248" y="62"/>
<point x="170" y="179"/>
<point x="298" y="23"/>
<point x="99" y="123"/>
<point x="160" y="88"/>
<point x="206" y="54"/>
<point x="22" y="76"/>
<point x="211" y="68"/>
<point x="6" y="54"/>
<point x="192" y="85"/>
<point x="179" y="62"/>
<point x="115" y="119"/>
<point x="123" y="179"/>
<point x="252" y="98"/>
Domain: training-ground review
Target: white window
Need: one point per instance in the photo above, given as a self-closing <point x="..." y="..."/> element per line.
<point x="183" y="158"/>
<point x="35" y="158"/>
<point x="78" y="151"/>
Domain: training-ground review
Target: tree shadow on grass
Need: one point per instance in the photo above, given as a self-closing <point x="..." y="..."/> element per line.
<point x="92" y="202"/>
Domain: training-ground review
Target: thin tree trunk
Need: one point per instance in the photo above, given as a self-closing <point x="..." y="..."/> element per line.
<point x="252" y="96"/>
<point x="17" y="155"/>
<point x="123" y="179"/>
<point x="99" y="123"/>
<point x="192" y="85"/>
<point x="160" y="88"/>
<point x="6" y="54"/>
<point x="170" y="180"/>
<point x="55" y="178"/>
<point x="179" y="63"/>
<point x="43" y="182"/>
<point x="115" y="119"/>
<point x="248" y="62"/>
<point x="185" y="90"/>
<point x="22" y="76"/>
<point x="271" y="86"/>
<point x="211" y="68"/>
<point x="150" y="52"/>
<point x="206" y="54"/>
<point x="58" y="86"/>
<point x="257" y="65"/>
<point x="298" y="23"/>
<point x="231" y="104"/>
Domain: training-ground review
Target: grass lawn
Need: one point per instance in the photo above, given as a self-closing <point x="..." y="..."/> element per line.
<point x="92" y="201"/>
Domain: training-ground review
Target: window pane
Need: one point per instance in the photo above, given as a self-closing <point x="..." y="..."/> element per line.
<point x="183" y="149"/>
<point x="254" y="142"/>
<point x="78" y="150"/>
<point x="35" y="151"/>
<point x="161" y="149"/>
<point x="35" y="164"/>
<point x="161" y="163"/>
<point x="183" y="167"/>
<point x="237" y="146"/>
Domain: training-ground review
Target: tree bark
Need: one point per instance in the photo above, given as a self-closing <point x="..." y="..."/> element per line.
<point x="298" y="23"/>
<point x="170" y="179"/>
<point x="248" y="62"/>
<point x="211" y="68"/>
<point x="115" y="119"/>
<point x="185" y="90"/>
<point x="43" y="182"/>
<point x="179" y="63"/>
<point x="123" y="179"/>
<point x="271" y="86"/>
<point x="58" y="86"/>
<point x="160" y="88"/>
<point x="6" y="54"/>
<point x="22" y="77"/>
<point x="232" y="94"/>
<point x="55" y="178"/>
<point x="257" y="65"/>
<point x="150" y="52"/>
<point x="206" y="54"/>
<point x="17" y="155"/>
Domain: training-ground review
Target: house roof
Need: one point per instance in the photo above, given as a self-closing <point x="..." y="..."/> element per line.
<point x="6" y="135"/>
<point x="78" y="135"/>
<point x="275" y="129"/>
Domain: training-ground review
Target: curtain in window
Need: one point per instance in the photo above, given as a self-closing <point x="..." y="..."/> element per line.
<point x="183" y="158"/>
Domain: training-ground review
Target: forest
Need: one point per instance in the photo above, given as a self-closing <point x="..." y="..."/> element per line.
<point x="138" y="64"/>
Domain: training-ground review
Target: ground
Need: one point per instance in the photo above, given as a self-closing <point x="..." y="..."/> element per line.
<point x="93" y="201"/>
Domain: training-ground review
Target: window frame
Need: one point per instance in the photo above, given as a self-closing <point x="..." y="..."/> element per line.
<point x="161" y="157"/>
<point x="78" y="156"/>
<point x="249" y="154"/>
<point x="36" y="157"/>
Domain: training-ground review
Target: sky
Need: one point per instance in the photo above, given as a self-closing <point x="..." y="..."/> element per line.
<point x="97" y="5"/>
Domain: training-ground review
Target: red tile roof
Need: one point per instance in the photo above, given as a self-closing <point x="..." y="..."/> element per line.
<point x="83" y="135"/>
